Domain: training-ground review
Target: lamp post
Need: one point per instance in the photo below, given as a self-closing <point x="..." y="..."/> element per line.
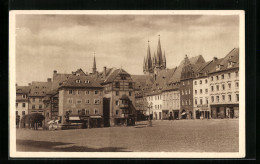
<point x="149" y="118"/>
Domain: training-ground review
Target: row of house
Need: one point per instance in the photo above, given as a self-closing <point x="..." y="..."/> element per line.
<point x="193" y="89"/>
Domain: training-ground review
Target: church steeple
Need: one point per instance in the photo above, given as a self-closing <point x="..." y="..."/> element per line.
<point x="159" y="53"/>
<point x="144" y="65"/>
<point x="148" y="58"/>
<point x="94" y="68"/>
<point x="164" y="60"/>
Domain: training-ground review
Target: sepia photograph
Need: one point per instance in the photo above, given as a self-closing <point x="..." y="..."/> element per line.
<point x="136" y="84"/>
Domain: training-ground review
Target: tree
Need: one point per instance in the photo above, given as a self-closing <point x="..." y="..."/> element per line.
<point x="35" y="119"/>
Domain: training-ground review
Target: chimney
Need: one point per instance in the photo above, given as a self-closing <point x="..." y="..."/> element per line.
<point x="54" y="72"/>
<point x="105" y="72"/>
<point x="29" y="84"/>
<point x="49" y="79"/>
<point x="215" y="59"/>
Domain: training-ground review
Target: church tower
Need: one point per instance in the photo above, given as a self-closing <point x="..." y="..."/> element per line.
<point x="148" y="62"/>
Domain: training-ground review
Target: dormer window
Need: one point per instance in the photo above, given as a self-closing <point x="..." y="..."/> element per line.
<point x="230" y="57"/>
<point x="77" y="81"/>
<point x="87" y="81"/>
<point x="77" y="74"/>
<point x="230" y="64"/>
<point x="218" y="67"/>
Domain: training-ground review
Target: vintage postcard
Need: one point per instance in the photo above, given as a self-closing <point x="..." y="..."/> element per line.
<point x="127" y="84"/>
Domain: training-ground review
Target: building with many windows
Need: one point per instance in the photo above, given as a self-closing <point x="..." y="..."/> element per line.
<point x="81" y="101"/>
<point x="21" y="102"/>
<point x="224" y="87"/>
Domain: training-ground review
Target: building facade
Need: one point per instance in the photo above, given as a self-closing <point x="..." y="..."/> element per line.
<point x="224" y="87"/>
<point x="80" y="101"/>
<point x="22" y="106"/>
<point x="154" y="102"/>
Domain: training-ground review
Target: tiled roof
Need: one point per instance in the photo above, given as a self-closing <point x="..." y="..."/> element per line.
<point x="80" y="81"/>
<point x="40" y="88"/>
<point x="59" y="78"/>
<point x="22" y="89"/>
<point x="233" y="56"/>
<point x="113" y="73"/>
<point x="142" y="80"/>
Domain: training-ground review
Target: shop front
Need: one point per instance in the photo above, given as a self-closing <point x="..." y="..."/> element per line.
<point x="202" y="112"/>
<point x="225" y="111"/>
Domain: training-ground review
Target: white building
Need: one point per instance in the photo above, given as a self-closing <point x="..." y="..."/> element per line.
<point x="21" y="102"/>
<point x="154" y="101"/>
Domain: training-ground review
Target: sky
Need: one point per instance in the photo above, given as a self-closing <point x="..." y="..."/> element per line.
<point x="67" y="42"/>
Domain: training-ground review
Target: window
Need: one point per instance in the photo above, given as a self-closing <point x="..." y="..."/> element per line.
<point x="70" y="92"/>
<point x="79" y="101"/>
<point x="96" y="92"/>
<point x="24" y="96"/>
<point x="200" y="91"/>
<point x="188" y="82"/>
<point x="217" y="77"/>
<point x="47" y="115"/>
<point x="160" y="106"/>
<point x="207" y="101"/>
<point x="206" y="91"/>
<point x="237" y="74"/>
<point x="40" y="106"/>
<point x="229" y="85"/>
<point x="96" y="111"/>
<point x="217" y="87"/>
<point x="117" y="112"/>
<point x="200" y="81"/>
<point x="182" y="102"/>
<point x="229" y="75"/>
<point x="183" y="83"/>
<point x="206" y="81"/>
<point x="117" y="102"/>
<point x="237" y="95"/>
<point x="195" y="91"/>
<point x="182" y="92"/>
<point x="189" y="91"/>
<point x="237" y="84"/>
<point x="70" y="101"/>
<point x="117" y="85"/>
<point x="189" y="102"/>
<point x="96" y="101"/>
<point x="212" y="78"/>
<point x="223" y="87"/>
<point x="195" y="83"/>
<point x="16" y="104"/>
<point x="23" y="113"/>
<point x="186" y="102"/>
<point x="33" y="100"/>
<point x="130" y="85"/>
<point x="117" y="93"/>
<point x="79" y="112"/>
<point x="212" y="98"/>
<point x="130" y="93"/>
<point x="33" y="106"/>
<point x="217" y="98"/>
<point x="223" y="76"/>
<point x="196" y="101"/>
<point x="87" y="101"/>
<point x="223" y="97"/>
<point x="229" y="98"/>
<point x="186" y="92"/>
<point x="212" y="88"/>
<point x="83" y="112"/>
<point x="87" y="81"/>
<point x="87" y="92"/>
<point x="201" y="101"/>
<point x="123" y="78"/>
<point x="87" y="111"/>
<point x="78" y="81"/>
<point x="16" y="112"/>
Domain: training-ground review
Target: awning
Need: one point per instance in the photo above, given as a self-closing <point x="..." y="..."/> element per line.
<point x="74" y="118"/>
<point x="95" y="117"/>
<point x="183" y="113"/>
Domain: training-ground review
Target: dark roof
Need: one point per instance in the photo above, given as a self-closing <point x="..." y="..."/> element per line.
<point x="113" y="73"/>
<point x="22" y="89"/>
<point x="232" y="56"/>
<point x="85" y="81"/>
<point x="170" y="88"/>
<point x="59" y="78"/>
<point x="142" y="80"/>
<point x="40" y="88"/>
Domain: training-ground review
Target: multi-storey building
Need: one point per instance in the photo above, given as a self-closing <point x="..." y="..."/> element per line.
<point x="21" y="102"/>
<point x="224" y="87"/>
<point x="186" y="87"/>
<point x="37" y="93"/>
<point x="81" y="100"/>
<point x="155" y="102"/>
<point x="171" y="102"/>
<point x="118" y="85"/>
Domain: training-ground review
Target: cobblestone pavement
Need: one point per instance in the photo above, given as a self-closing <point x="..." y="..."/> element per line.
<point x="169" y="136"/>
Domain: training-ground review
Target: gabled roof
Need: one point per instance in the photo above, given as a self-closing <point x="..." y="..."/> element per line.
<point x="81" y="81"/>
<point x="163" y="78"/>
<point x="40" y="88"/>
<point x="59" y="78"/>
<point x="142" y="80"/>
<point x="22" y="89"/>
<point x="233" y="56"/>
<point x="113" y="74"/>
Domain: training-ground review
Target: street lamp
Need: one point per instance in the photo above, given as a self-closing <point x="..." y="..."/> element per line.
<point x="149" y="118"/>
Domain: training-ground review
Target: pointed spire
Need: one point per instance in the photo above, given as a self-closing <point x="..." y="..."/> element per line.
<point x="148" y="58"/>
<point x="159" y="53"/>
<point x="94" y="68"/>
<point x="144" y="65"/>
<point x="164" y="60"/>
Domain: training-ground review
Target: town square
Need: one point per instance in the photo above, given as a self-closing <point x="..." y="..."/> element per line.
<point x="127" y="83"/>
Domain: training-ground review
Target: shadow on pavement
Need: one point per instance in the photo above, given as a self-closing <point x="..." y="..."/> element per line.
<point x="46" y="146"/>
